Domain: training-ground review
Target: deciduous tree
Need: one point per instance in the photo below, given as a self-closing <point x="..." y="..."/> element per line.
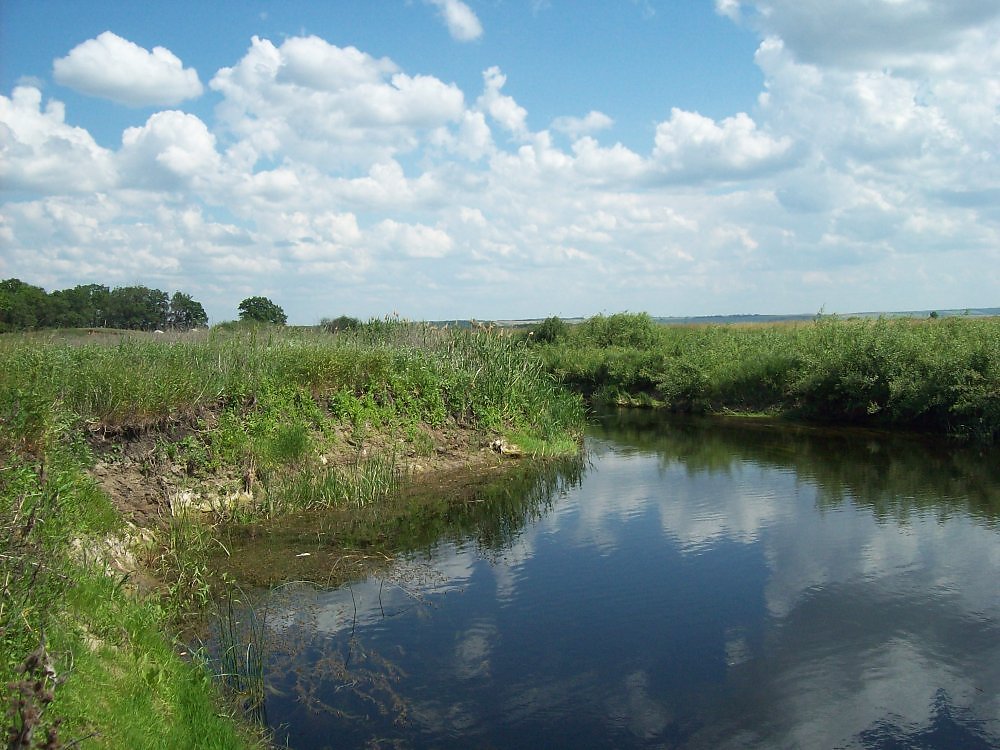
<point x="262" y="310"/>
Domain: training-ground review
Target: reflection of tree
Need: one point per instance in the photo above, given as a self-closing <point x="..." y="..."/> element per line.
<point x="893" y="475"/>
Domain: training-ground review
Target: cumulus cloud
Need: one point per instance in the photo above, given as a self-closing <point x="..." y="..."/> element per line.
<point x="462" y="23"/>
<point x="323" y="163"/>
<point x="413" y="240"/>
<point x="694" y="146"/>
<point x="114" y="68"/>
<point x="728" y="8"/>
<point x="502" y="108"/>
<point x="314" y="101"/>
<point x="862" y="34"/>
<point x="42" y="153"/>
<point x="172" y="149"/>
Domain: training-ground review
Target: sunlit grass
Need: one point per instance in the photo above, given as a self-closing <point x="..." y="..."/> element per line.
<point x="938" y="375"/>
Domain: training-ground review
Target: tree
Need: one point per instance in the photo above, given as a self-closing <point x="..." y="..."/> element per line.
<point x="22" y="306"/>
<point x="137" y="307"/>
<point x="262" y="310"/>
<point x="185" y="312"/>
<point x="82" y="306"/>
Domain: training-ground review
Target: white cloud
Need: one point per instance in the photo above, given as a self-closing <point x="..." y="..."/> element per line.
<point x="42" y="153"/>
<point x="502" y="108"/>
<point x="694" y="147"/>
<point x="863" y="34"/>
<point x="462" y="23"/>
<point x="117" y="69"/>
<point x="413" y="240"/>
<point x="853" y="184"/>
<point x="728" y="8"/>
<point x="321" y="104"/>
<point x="313" y="63"/>
<point x="575" y="127"/>
<point x="171" y="150"/>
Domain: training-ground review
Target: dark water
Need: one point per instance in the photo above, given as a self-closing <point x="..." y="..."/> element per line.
<point x="695" y="585"/>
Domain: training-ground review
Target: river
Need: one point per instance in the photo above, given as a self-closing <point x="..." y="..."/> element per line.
<point x="693" y="584"/>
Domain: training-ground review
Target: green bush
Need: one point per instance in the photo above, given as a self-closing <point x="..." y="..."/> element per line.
<point x="550" y="330"/>
<point x="631" y="330"/>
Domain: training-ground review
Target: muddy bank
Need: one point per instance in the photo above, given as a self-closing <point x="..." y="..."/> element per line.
<point x="154" y="488"/>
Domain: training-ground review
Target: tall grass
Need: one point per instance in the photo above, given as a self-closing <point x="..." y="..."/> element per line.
<point x="384" y="371"/>
<point x="935" y="375"/>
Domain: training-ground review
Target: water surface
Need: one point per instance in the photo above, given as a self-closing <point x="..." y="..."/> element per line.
<point x="700" y="584"/>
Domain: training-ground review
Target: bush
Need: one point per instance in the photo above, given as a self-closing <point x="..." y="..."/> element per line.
<point x="634" y="330"/>
<point x="342" y="323"/>
<point x="550" y="330"/>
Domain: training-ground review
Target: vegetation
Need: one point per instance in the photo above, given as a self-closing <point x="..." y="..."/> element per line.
<point x="939" y="375"/>
<point x="27" y="307"/>
<point x="249" y="423"/>
<point x="262" y="310"/>
<point x="341" y="323"/>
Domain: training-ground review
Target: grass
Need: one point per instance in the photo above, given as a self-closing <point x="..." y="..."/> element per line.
<point x="938" y="376"/>
<point x="253" y="412"/>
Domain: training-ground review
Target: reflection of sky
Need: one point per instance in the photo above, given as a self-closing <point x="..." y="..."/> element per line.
<point x="657" y="605"/>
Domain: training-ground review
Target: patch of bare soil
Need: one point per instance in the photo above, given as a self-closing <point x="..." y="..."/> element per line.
<point x="136" y="474"/>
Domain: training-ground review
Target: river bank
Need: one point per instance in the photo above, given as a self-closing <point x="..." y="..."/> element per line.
<point x="121" y="462"/>
<point x="939" y="376"/>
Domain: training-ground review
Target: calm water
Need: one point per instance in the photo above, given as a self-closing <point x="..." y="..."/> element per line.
<point x="694" y="585"/>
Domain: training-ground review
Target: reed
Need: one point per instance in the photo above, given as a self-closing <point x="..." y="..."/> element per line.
<point x="242" y="646"/>
<point x="934" y="375"/>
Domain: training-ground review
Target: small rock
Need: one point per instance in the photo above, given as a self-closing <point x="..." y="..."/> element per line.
<point x="504" y="448"/>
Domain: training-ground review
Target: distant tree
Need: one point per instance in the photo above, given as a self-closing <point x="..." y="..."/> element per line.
<point x="83" y="306"/>
<point x="22" y="306"/>
<point x="261" y="310"/>
<point x="137" y="307"/>
<point x="934" y="314"/>
<point x="342" y="323"/>
<point x="185" y="312"/>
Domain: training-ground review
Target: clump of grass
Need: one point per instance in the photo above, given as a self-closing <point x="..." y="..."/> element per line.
<point x="242" y="638"/>
<point x="366" y="481"/>
<point x="251" y="404"/>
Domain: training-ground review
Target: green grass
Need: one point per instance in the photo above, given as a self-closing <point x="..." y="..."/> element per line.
<point x="934" y="375"/>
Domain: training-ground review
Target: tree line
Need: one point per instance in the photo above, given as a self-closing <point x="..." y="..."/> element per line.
<point x="25" y="307"/>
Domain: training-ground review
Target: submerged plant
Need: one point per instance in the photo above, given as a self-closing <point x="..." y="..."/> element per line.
<point x="242" y="648"/>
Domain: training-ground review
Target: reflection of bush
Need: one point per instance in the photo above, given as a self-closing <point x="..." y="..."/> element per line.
<point x="893" y="475"/>
<point x="492" y="513"/>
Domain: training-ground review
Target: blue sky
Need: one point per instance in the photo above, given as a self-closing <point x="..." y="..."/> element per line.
<point x="507" y="158"/>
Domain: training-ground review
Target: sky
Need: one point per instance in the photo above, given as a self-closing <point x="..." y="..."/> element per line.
<point x="506" y="159"/>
